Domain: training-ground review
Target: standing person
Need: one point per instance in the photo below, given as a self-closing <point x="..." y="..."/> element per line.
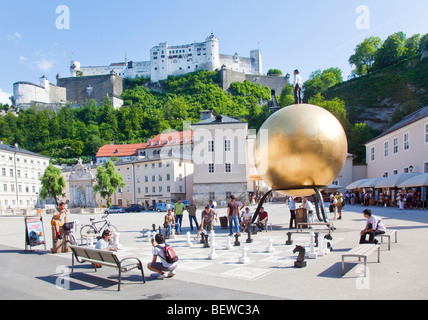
<point x="163" y="266"/>
<point x="297" y="87"/>
<point x="333" y="205"/>
<point x="339" y="204"/>
<point x="309" y="209"/>
<point x="233" y="215"/>
<point x="374" y="226"/>
<point x="292" y="206"/>
<point x="178" y="211"/>
<point x="191" y="208"/>
<point x="58" y="221"/>
<point x="212" y="206"/>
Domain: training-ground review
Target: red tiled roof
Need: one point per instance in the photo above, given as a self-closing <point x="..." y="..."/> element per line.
<point x="127" y="150"/>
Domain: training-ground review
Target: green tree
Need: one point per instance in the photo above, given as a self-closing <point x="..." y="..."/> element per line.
<point x="274" y="72"/>
<point x="391" y="51"/>
<point x="108" y="181"/>
<point x="334" y="106"/>
<point x="53" y="183"/>
<point x="319" y="81"/>
<point x="287" y="96"/>
<point x="360" y="134"/>
<point x="364" y="55"/>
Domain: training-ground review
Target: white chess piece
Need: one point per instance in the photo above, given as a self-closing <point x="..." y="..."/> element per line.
<point x="324" y="246"/>
<point x="228" y="245"/>
<point x="270" y="248"/>
<point x="244" y="259"/>
<point x="188" y="242"/>
<point x="117" y="245"/>
<point x="213" y="254"/>
<point x="212" y="239"/>
<point x="312" y="254"/>
<point x="91" y="242"/>
<point x="148" y="236"/>
<point x="173" y="236"/>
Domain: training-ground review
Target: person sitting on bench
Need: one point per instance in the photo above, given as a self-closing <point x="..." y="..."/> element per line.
<point x="169" y="223"/>
<point x="374" y="226"/>
<point x="58" y="221"/>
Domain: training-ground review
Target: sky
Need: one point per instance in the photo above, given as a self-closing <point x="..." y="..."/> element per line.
<point x="41" y="37"/>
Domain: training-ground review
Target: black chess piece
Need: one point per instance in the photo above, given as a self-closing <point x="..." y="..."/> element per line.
<point x="317" y="234"/>
<point x="329" y="237"/>
<point x="237" y="243"/>
<point x="249" y="239"/>
<point x="300" y="261"/>
<point x="289" y="242"/>
<point x="206" y="244"/>
<point x="154" y="227"/>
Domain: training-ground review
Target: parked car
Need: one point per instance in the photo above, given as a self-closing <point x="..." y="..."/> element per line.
<point x="185" y="202"/>
<point x="135" y="207"/>
<point x="150" y="208"/>
<point x="114" y="209"/>
<point x="161" y="207"/>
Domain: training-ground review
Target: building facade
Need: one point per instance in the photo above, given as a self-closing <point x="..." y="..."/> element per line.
<point x="20" y="175"/>
<point x="166" y="60"/>
<point x="401" y="149"/>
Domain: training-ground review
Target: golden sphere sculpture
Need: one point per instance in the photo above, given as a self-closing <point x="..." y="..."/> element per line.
<point x="300" y="147"/>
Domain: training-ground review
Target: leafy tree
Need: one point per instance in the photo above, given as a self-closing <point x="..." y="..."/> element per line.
<point x="274" y="72"/>
<point x="53" y="183"/>
<point x="319" y="81"/>
<point x="391" y="51"/>
<point x="364" y="55"/>
<point x="287" y="96"/>
<point x="423" y="44"/>
<point x="359" y="135"/>
<point x="108" y="181"/>
<point x="335" y="106"/>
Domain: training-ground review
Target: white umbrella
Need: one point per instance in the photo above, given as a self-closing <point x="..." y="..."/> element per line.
<point x="395" y="180"/>
<point x="416" y="181"/>
<point x="356" y="184"/>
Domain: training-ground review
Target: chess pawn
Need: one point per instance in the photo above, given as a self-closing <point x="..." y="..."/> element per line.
<point x="324" y="246"/>
<point x="270" y="247"/>
<point x="91" y="242"/>
<point x="244" y="259"/>
<point x="228" y="245"/>
<point x="320" y="251"/>
<point x="212" y="239"/>
<point x="148" y="236"/>
<point x="212" y="255"/>
<point x="289" y="242"/>
<point x="188" y="242"/>
<point x="312" y="254"/>
<point x="173" y="236"/>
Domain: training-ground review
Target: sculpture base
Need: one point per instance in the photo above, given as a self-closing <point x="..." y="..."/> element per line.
<point x="300" y="264"/>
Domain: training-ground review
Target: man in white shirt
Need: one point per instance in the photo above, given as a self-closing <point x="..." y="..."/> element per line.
<point x="374" y="226"/>
<point x="246" y="218"/>
<point x="162" y="266"/>
<point x="309" y="209"/>
<point x="297" y="87"/>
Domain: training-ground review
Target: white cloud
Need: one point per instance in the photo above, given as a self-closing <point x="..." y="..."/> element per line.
<point x="14" y="37"/>
<point x="44" y="64"/>
<point x="4" y="97"/>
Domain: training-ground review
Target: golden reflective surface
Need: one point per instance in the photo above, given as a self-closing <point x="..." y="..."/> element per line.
<point x="304" y="146"/>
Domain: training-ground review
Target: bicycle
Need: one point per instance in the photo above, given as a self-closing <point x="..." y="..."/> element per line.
<point x="71" y="233"/>
<point x="91" y="230"/>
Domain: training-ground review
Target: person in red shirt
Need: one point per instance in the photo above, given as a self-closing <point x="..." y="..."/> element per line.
<point x="262" y="219"/>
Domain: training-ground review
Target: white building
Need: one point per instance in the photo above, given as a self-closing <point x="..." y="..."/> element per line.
<point x="20" y="175"/>
<point x="166" y="60"/>
<point x="401" y="149"/>
<point x="27" y="93"/>
<point x="220" y="157"/>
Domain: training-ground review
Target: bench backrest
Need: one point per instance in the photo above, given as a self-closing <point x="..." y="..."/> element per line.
<point x="95" y="254"/>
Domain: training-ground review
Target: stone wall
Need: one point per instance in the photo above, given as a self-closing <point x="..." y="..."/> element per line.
<point x="201" y="192"/>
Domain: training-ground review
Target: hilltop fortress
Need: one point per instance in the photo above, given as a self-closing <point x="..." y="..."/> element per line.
<point x="96" y="82"/>
<point x="166" y="60"/>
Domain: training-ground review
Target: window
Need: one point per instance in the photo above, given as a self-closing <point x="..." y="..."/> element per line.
<point x="160" y="177"/>
<point x="153" y="178"/>
<point x="3" y="171"/>
<point x="227" y="167"/>
<point x="153" y="189"/>
<point x="228" y="194"/>
<point x="386" y="145"/>
<point x="168" y="177"/>
<point x="5" y="187"/>
<point x="372" y="154"/>
<point x="211" y="146"/>
<point x="211" y="168"/>
<point x="168" y="188"/>
<point x="394" y="172"/>
<point x="426" y="133"/>
<point x="211" y="195"/>
<point x="406" y="142"/>
<point x="11" y="172"/>
<point x="146" y="179"/>
<point x="160" y="188"/>
<point x="395" y="145"/>
<point x="227" y="146"/>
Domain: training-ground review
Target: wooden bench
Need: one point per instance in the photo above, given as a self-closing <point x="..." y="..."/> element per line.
<point x="361" y="251"/>
<point x="105" y="258"/>
<point x="388" y="234"/>
<point x="329" y="225"/>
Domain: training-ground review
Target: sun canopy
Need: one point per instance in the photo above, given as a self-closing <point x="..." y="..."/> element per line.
<point x="370" y="183"/>
<point x="356" y="184"/>
<point x="395" y="180"/>
<point x="416" y="181"/>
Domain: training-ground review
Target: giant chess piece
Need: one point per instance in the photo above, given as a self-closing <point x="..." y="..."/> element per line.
<point x="228" y="245"/>
<point x="116" y="241"/>
<point x="312" y="254"/>
<point x="188" y="242"/>
<point x="249" y="239"/>
<point x="270" y="247"/>
<point x="329" y="237"/>
<point x="213" y="254"/>
<point x="212" y="238"/>
<point x="244" y="259"/>
<point x="300" y="261"/>
<point x="237" y="243"/>
<point x="148" y="236"/>
<point x="154" y="227"/>
<point x="206" y="244"/>
<point x="289" y="242"/>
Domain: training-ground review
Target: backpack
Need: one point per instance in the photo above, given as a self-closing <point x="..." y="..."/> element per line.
<point x="170" y="255"/>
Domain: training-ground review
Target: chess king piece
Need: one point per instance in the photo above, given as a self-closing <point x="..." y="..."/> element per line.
<point x="213" y="254"/>
<point x="300" y="261"/>
<point x="289" y="242"/>
<point x="212" y="238"/>
<point x="244" y="259"/>
<point x="116" y="241"/>
<point x="228" y="245"/>
<point x="312" y="253"/>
